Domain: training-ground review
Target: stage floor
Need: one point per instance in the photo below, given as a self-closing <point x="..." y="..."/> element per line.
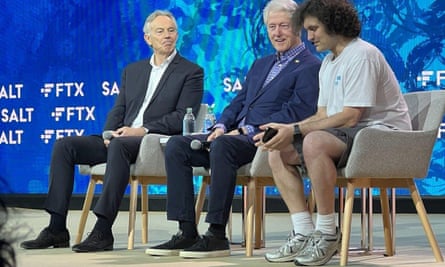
<point x="412" y="247"/>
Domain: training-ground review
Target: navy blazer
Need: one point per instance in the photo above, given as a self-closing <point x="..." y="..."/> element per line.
<point x="181" y="86"/>
<point x="290" y="97"/>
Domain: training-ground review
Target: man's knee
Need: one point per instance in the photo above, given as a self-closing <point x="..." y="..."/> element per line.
<point x="116" y="144"/>
<point x="175" y="144"/>
<point x="275" y="160"/>
<point x="314" y="145"/>
<point x="220" y="144"/>
<point x="61" y="145"/>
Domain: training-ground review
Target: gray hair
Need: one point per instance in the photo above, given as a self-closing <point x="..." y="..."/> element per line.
<point x="154" y="15"/>
<point x="288" y="6"/>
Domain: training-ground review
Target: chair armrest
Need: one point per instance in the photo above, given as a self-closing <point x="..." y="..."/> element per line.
<point x="390" y="154"/>
<point x="84" y="169"/>
<point x="260" y="164"/>
<point x="150" y="160"/>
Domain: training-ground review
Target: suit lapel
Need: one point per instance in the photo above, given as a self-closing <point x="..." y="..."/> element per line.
<point x="143" y="83"/>
<point x="290" y="67"/>
<point x="171" y="67"/>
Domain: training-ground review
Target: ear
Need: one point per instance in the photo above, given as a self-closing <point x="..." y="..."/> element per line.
<point x="147" y="39"/>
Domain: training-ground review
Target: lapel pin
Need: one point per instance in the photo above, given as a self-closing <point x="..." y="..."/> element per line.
<point x="297" y="61"/>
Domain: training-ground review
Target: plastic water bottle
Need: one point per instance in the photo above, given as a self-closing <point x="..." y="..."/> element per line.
<point x="209" y="119"/>
<point x="188" y="123"/>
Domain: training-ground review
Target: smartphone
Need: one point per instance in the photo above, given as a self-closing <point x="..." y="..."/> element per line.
<point x="269" y="134"/>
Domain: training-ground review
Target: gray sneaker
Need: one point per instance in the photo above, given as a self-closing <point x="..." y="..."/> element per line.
<point x="287" y="252"/>
<point x="320" y="248"/>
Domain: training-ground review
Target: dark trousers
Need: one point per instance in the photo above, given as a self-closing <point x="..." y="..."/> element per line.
<point x="69" y="151"/>
<point x="227" y="154"/>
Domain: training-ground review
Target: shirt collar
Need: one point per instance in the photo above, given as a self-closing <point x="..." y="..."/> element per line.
<point x="165" y="63"/>
<point x="291" y="53"/>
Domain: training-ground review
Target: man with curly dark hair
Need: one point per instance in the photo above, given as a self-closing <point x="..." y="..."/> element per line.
<point x="358" y="89"/>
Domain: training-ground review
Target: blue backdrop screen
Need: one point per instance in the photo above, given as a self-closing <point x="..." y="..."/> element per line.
<point x="61" y="61"/>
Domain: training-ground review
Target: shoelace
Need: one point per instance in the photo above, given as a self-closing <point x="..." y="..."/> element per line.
<point x="95" y="237"/>
<point x="312" y="244"/>
<point x="288" y="245"/>
<point x="175" y="238"/>
<point x="203" y="242"/>
<point x="291" y="241"/>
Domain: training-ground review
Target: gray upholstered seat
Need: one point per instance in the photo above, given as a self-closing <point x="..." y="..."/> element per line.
<point x="149" y="168"/>
<point x="380" y="159"/>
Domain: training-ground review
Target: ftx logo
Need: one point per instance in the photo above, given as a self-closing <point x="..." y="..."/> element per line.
<point x="68" y="89"/>
<point x="427" y="77"/>
<point x="441" y="130"/>
<point x="49" y="134"/>
<point x="74" y="113"/>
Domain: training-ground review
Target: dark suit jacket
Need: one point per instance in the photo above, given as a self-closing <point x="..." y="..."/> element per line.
<point x="181" y="86"/>
<point x="289" y="97"/>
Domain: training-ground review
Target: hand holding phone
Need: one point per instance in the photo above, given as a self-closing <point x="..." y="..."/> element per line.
<point x="269" y="134"/>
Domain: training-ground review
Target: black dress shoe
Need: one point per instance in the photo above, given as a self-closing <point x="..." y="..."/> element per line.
<point x="48" y="239"/>
<point x="96" y="241"/>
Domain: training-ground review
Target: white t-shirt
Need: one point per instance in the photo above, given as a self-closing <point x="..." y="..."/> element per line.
<point x="361" y="77"/>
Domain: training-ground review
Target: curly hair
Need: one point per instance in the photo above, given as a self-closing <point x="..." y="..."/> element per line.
<point x="339" y="16"/>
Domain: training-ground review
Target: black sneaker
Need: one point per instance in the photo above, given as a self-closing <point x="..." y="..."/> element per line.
<point x="173" y="246"/>
<point x="96" y="241"/>
<point x="48" y="239"/>
<point x="207" y="246"/>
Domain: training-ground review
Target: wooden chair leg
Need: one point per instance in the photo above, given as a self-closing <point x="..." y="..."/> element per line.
<point x="393" y="217"/>
<point x="370" y="224"/>
<point x="259" y="208"/>
<point x="386" y="222"/>
<point x="251" y="186"/>
<point x="364" y="214"/>
<point x="144" y="211"/>
<point x="132" y="214"/>
<point x="85" y="209"/>
<point x="346" y="228"/>
<point x="418" y="203"/>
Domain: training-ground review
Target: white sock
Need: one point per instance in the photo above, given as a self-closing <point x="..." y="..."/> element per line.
<point x="326" y="224"/>
<point x="302" y="222"/>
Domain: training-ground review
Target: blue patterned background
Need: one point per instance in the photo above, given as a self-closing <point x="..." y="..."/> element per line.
<point x="89" y="41"/>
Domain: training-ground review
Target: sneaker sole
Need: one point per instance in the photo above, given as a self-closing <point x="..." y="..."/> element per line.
<point x="205" y="254"/>
<point x="162" y="252"/>
<point x="314" y="263"/>
<point x="289" y="258"/>
<point x="59" y="245"/>
<point x="76" y="249"/>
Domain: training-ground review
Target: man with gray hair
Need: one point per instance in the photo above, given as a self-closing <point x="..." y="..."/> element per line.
<point x="279" y="87"/>
<point x="153" y="98"/>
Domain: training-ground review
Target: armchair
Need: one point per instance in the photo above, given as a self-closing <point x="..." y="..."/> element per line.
<point x="149" y="168"/>
<point x="379" y="158"/>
